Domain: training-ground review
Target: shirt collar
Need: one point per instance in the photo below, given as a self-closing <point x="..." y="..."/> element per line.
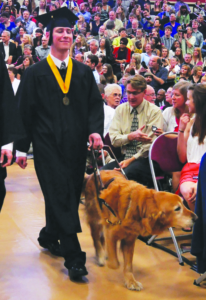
<point x="58" y="62"/>
<point x="139" y="108"/>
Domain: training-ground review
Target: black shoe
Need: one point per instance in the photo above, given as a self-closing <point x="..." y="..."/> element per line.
<point x="53" y="247"/>
<point x="77" y="271"/>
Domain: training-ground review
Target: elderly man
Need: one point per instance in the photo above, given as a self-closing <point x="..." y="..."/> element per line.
<point x="84" y="12"/>
<point x="150" y="94"/>
<point x="131" y="129"/>
<point x="112" y="17"/>
<point x="43" y="50"/>
<point x="79" y="57"/>
<point x="113" y="94"/>
<point x="160" y="99"/>
<point x="7" y="48"/>
<point x="159" y="73"/>
<point x="94" y="49"/>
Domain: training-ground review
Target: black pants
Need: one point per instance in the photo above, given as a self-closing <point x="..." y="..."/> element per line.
<point x="2" y="186"/>
<point x="138" y="170"/>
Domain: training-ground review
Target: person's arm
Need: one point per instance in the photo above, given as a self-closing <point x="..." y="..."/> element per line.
<point x="190" y="43"/>
<point x="201" y="40"/>
<point x="183" y="134"/>
<point x="6" y="152"/>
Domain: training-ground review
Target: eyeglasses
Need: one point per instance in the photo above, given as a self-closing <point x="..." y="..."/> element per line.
<point x="134" y="93"/>
<point x="117" y="95"/>
<point x="151" y="95"/>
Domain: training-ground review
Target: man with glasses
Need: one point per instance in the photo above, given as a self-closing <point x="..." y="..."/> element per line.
<point x="150" y="94"/>
<point x="131" y="129"/>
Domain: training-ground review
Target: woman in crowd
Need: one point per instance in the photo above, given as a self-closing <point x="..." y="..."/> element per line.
<point x="135" y="63"/>
<point x="165" y="56"/>
<point x="38" y="38"/>
<point x="197" y="74"/>
<point x="198" y="10"/>
<point x="185" y="72"/>
<point x="137" y="12"/>
<point x="197" y="57"/>
<point x="157" y="7"/>
<point x="19" y="39"/>
<point x="91" y="7"/>
<point x="42" y="8"/>
<point x="122" y="55"/>
<point x="155" y="33"/>
<point x="168" y="97"/>
<point x="120" y="15"/>
<point x="156" y="46"/>
<point x="178" y="53"/>
<point x="175" y="45"/>
<point x="28" y="61"/>
<point x="79" y="46"/>
<point x="191" y="143"/>
<point x="81" y="26"/>
<point x="12" y="8"/>
<point x="105" y="49"/>
<point x="183" y="15"/>
<point x="108" y="74"/>
<point x="95" y="25"/>
<point x="26" y="40"/>
<point x="28" y="5"/>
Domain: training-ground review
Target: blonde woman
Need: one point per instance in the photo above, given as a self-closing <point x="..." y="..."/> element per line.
<point x="197" y="74"/>
<point x="135" y="63"/>
<point x="78" y="46"/>
<point x="197" y="57"/>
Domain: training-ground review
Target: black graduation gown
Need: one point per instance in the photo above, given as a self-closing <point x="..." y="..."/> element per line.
<point x="11" y="128"/>
<point x="59" y="135"/>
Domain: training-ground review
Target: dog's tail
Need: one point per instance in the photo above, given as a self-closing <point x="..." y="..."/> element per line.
<point x="86" y="177"/>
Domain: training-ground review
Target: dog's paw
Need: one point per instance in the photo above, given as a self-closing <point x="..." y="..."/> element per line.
<point x="101" y="261"/>
<point x="132" y="284"/>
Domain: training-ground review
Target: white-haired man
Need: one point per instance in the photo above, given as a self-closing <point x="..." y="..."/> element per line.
<point x="94" y="49"/>
<point x="113" y="94"/>
<point x="150" y="94"/>
<point x="7" y="48"/>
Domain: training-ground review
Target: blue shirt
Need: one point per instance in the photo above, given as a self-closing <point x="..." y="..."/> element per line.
<point x="174" y="29"/>
<point x="86" y="15"/>
<point x="9" y="28"/>
<point x="30" y="26"/>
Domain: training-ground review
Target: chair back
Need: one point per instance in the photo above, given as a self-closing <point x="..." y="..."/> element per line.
<point x="117" y="151"/>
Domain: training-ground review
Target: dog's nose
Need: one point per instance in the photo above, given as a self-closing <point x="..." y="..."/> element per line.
<point x="195" y="217"/>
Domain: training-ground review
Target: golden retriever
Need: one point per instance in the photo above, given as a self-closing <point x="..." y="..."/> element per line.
<point x="139" y="211"/>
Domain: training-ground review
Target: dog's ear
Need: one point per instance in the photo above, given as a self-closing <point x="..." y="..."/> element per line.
<point x="154" y="224"/>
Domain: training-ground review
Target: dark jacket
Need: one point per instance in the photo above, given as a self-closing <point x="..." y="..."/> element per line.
<point x="12" y="51"/>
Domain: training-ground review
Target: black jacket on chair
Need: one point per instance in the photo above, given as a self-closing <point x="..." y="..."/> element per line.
<point x="12" y="51"/>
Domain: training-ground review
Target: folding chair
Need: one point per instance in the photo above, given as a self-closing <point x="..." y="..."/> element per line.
<point x="164" y="151"/>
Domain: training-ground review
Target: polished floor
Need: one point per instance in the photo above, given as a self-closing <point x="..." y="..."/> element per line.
<point x="27" y="272"/>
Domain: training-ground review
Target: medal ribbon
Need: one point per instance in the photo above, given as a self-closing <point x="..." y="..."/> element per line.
<point x="63" y="85"/>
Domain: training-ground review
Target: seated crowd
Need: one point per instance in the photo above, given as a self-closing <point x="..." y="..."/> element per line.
<point x="144" y="57"/>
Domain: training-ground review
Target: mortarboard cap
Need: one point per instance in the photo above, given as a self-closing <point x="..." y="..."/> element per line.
<point x="62" y="17"/>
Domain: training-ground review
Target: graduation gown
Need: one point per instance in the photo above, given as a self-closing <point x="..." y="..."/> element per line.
<point x="59" y="135"/>
<point x="11" y="128"/>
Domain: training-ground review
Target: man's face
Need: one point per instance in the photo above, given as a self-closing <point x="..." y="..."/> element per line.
<point x="26" y="15"/>
<point x="134" y="24"/>
<point x="200" y="19"/>
<point x="79" y="57"/>
<point x="146" y="6"/>
<point x="112" y="16"/>
<point x="134" y="96"/>
<point x="93" y="47"/>
<point x="160" y="96"/>
<point x="164" y="7"/>
<point x="131" y="18"/>
<point x="5" y="37"/>
<point x="187" y="58"/>
<point x="113" y="100"/>
<point x="44" y="41"/>
<point x="88" y="63"/>
<point x="62" y="38"/>
<point x="153" y="63"/>
<point x="150" y="95"/>
<point x="148" y="48"/>
<point x="139" y="33"/>
<point x="167" y="32"/>
<point x="194" y="25"/>
<point x="146" y="13"/>
<point x="148" y="79"/>
<point x="172" y="18"/>
<point x="157" y="23"/>
<point x="119" y="2"/>
<point x="27" y="51"/>
<point x="82" y="7"/>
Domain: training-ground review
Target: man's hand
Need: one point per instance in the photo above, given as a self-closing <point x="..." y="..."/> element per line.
<point x="22" y="161"/>
<point x="125" y="163"/>
<point x="95" y="140"/>
<point x="138" y="135"/>
<point x="8" y="154"/>
<point x="9" y="60"/>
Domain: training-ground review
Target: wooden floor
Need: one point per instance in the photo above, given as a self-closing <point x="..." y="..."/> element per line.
<point x="29" y="273"/>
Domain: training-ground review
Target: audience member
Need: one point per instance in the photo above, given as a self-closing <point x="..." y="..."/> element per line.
<point x="43" y="50"/>
<point x="8" y="48"/>
<point x="197" y="34"/>
<point x="173" y="24"/>
<point x="94" y="49"/>
<point x="108" y="74"/>
<point x="150" y="94"/>
<point x="29" y="25"/>
<point x="14" y="81"/>
<point x="112" y="17"/>
<point x="92" y="62"/>
<point x="159" y="73"/>
<point x="113" y="94"/>
<point x="167" y="39"/>
<point x="160" y="99"/>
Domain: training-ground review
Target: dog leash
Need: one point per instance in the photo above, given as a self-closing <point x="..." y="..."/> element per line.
<point x="98" y="176"/>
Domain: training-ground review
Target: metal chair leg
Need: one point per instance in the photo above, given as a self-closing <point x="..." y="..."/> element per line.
<point x="176" y="247"/>
<point x="151" y="240"/>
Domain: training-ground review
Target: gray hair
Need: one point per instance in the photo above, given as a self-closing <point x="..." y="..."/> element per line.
<point x="110" y="87"/>
<point x="7" y="32"/>
<point x="96" y="42"/>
